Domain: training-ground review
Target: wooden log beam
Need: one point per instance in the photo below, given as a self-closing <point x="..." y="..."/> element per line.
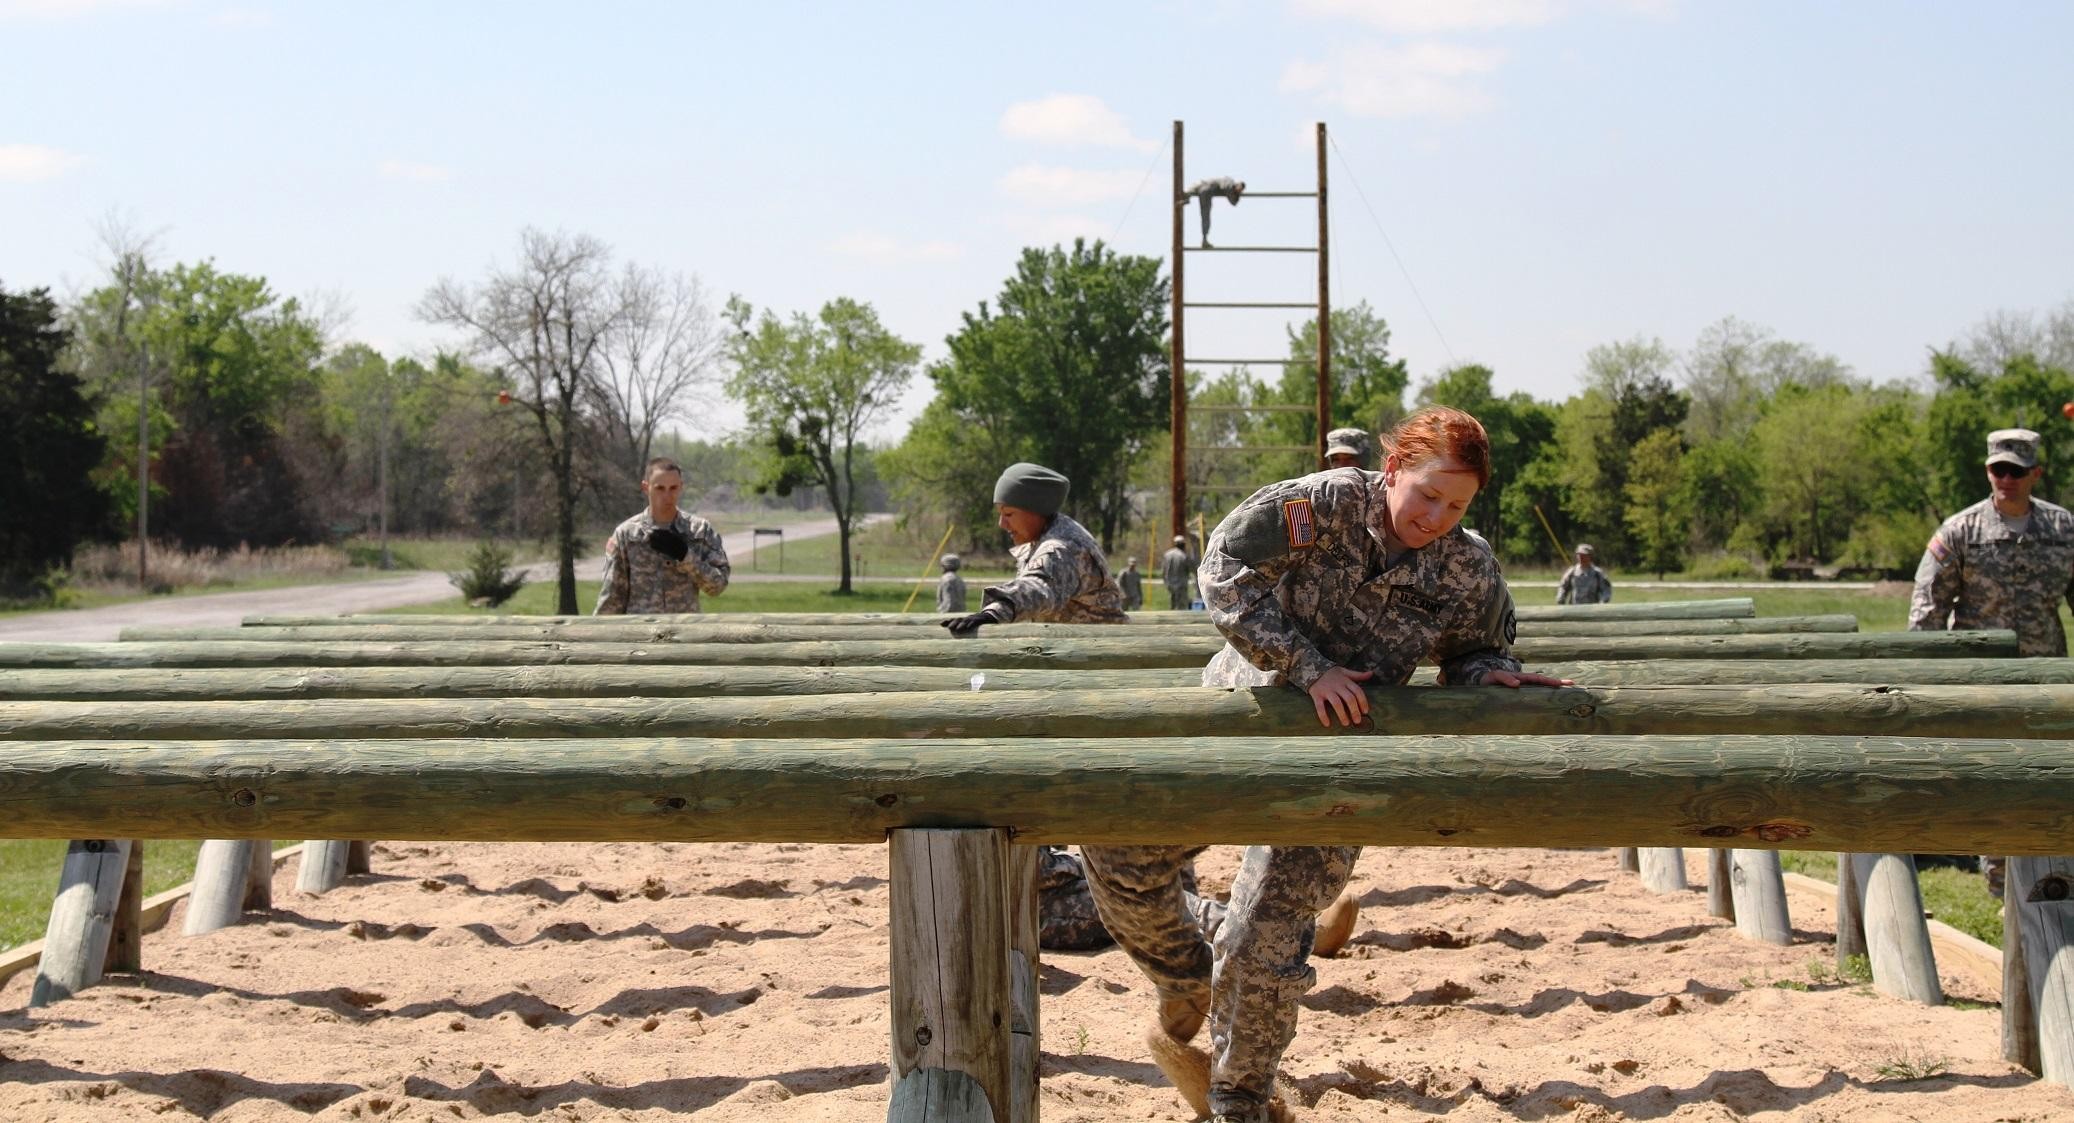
<point x="1703" y="672"/>
<point x="1632" y="610"/>
<point x="1075" y="654"/>
<point x="2024" y="711"/>
<point x="1937" y="795"/>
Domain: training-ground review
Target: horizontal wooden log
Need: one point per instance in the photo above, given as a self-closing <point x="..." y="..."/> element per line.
<point x="1702" y="672"/>
<point x="2034" y="712"/>
<point x="815" y="633"/>
<point x="166" y="684"/>
<point x="1634" y="610"/>
<point x="1875" y="794"/>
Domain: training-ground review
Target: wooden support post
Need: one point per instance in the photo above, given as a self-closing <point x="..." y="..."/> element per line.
<point x="1850" y="913"/>
<point x="359" y="857"/>
<point x="126" y="942"/>
<point x="939" y="1095"/>
<point x="1026" y="1037"/>
<point x="1721" y="900"/>
<point x="222" y="871"/>
<point x="323" y="866"/>
<point x="1760" y="896"/>
<point x="1896" y="938"/>
<point x="1629" y="858"/>
<point x="1663" y="869"/>
<point x="82" y="918"/>
<point x="2019" y="1018"/>
<point x="259" y="877"/>
<point x="1177" y="359"/>
<point x="948" y="922"/>
<point x="2041" y="891"/>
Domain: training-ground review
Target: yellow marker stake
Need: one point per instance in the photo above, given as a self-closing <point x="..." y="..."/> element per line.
<point x="1551" y="532"/>
<point x="925" y="566"/>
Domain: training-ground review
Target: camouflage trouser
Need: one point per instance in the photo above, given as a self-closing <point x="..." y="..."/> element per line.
<point x="1996" y="870"/>
<point x="1067" y="919"/>
<point x="1177" y="596"/>
<point x="1255" y="970"/>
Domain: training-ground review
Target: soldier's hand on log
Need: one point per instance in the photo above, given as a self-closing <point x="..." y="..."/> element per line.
<point x="1338" y="691"/>
<point x="667" y="542"/>
<point x="964" y="627"/>
<point x="1521" y="678"/>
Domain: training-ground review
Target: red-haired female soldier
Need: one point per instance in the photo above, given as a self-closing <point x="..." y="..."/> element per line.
<point x="1320" y="583"/>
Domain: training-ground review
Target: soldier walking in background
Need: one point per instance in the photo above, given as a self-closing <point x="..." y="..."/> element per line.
<point x="660" y="560"/>
<point x="950" y="588"/>
<point x="1133" y="585"/>
<point x="1348" y="448"/>
<point x="1207" y="189"/>
<point x="2005" y="562"/>
<point x="1585" y="582"/>
<point x="1175" y="566"/>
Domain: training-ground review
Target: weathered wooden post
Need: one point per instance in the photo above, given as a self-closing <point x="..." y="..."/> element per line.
<point x="1721" y="900"/>
<point x="1759" y="888"/>
<point x="1026" y="1038"/>
<point x="1850" y="913"/>
<point x="222" y="876"/>
<point x="323" y="866"/>
<point x="1896" y="938"/>
<point x="2041" y="892"/>
<point x="126" y="942"/>
<point x="1629" y="859"/>
<point x="1663" y="869"/>
<point x="359" y="857"/>
<point x="952" y="1013"/>
<point x="259" y="877"/>
<point x="82" y="919"/>
<point x="2019" y="1019"/>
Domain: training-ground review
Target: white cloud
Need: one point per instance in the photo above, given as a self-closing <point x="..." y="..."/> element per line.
<point x="65" y="9"/>
<point x="414" y="173"/>
<point x="1070" y="119"/>
<point x="1420" y="17"/>
<point x="1048" y="186"/>
<point x="884" y="249"/>
<point x="1416" y="80"/>
<point x="27" y="163"/>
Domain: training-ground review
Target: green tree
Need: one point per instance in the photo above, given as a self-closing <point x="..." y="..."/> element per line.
<point x="1971" y="402"/>
<point x="811" y="385"/>
<point x="49" y="446"/>
<point x="1067" y="367"/>
<point x="1518" y="427"/>
<point x="1368" y="385"/>
<point x="1721" y="490"/>
<point x="1656" y="512"/>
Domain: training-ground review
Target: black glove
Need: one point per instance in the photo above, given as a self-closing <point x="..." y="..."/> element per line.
<point x="965" y="627"/>
<point x="667" y="542"/>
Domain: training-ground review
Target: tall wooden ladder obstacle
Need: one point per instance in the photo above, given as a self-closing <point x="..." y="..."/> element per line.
<point x="1178" y="355"/>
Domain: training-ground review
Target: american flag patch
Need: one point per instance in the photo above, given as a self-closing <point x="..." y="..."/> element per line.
<point x="1938" y="549"/>
<point x="1303" y="530"/>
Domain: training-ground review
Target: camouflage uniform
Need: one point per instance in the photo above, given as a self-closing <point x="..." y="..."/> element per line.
<point x="1062" y="578"/>
<point x="1133" y="585"/>
<point x="950" y="592"/>
<point x="1584" y="586"/>
<point x="1297" y="580"/>
<point x="1175" y="566"/>
<point x="639" y="579"/>
<point x="1977" y="572"/>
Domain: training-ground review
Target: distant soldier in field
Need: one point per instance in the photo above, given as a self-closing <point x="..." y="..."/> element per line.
<point x="660" y="560"/>
<point x="1348" y="448"/>
<point x="1205" y="190"/>
<point x="1585" y="582"/>
<point x="950" y="588"/>
<point x="1132" y="583"/>
<point x="2005" y="562"/>
<point x="1175" y="567"/>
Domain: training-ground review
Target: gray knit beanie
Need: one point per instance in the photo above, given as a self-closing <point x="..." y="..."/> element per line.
<point x="1033" y="487"/>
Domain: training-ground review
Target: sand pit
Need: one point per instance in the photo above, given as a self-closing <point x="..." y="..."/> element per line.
<point x="739" y="982"/>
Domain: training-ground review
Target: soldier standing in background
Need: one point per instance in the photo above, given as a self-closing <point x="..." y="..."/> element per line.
<point x="950" y="588"/>
<point x="1585" y="582"/>
<point x="1348" y="448"/>
<point x="2005" y="562"/>
<point x="660" y="560"/>
<point x="1133" y="585"/>
<point x="1175" y="566"/>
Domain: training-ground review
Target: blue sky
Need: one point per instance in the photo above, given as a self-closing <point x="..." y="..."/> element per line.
<point x="1871" y="178"/>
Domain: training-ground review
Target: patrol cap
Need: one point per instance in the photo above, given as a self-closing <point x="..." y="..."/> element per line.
<point x="1033" y="487"/>
<point x="1180" y="540"/>
<point x="1347" y="442"/>
<point x="952" y="561"/>
<point x="1585" y="548"/>
<point x="2013" y="446"/>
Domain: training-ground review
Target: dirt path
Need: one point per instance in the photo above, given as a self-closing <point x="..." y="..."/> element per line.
<point x="222" y="610"/>
<point x="747" y="983"/>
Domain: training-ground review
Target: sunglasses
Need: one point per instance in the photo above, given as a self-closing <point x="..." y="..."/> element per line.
<point x="2007" y="471"/>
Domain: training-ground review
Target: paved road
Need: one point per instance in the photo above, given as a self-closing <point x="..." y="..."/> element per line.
<point x="224" y="610"/>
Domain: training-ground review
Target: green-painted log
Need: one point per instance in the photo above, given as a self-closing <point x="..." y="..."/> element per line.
<point x="167" y="684"/>
<point x="1635" y="610"/>
<point x="1872" y="672"/>
<point x="1879" y="794"/>
<point x="2025" y="712"/>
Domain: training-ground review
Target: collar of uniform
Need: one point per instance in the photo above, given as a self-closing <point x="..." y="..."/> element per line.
<point x="1377" y="517"/>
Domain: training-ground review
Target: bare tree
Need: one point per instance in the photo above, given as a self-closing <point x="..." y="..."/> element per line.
<point x="666" y="345"/>
<point x="544" y="324"/>
<point x="112" y="351"/>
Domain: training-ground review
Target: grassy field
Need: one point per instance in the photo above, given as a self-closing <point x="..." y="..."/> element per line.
<point x="1957" y="897"/>
<point x="882" y="550"/>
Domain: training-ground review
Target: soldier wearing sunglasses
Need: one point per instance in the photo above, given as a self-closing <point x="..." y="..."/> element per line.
<point x="2005" y="562"/>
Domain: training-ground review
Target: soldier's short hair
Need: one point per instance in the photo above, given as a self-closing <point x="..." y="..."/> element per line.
<point x="1438" y="432"/>
<point x="661" y="464"/>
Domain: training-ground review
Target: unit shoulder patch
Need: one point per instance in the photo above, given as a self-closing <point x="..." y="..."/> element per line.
<point x="1300" y="524"/>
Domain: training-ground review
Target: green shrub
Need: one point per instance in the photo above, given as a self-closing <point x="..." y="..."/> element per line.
<point x="489" y="579"/>
<point x="1725" y="567"/>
